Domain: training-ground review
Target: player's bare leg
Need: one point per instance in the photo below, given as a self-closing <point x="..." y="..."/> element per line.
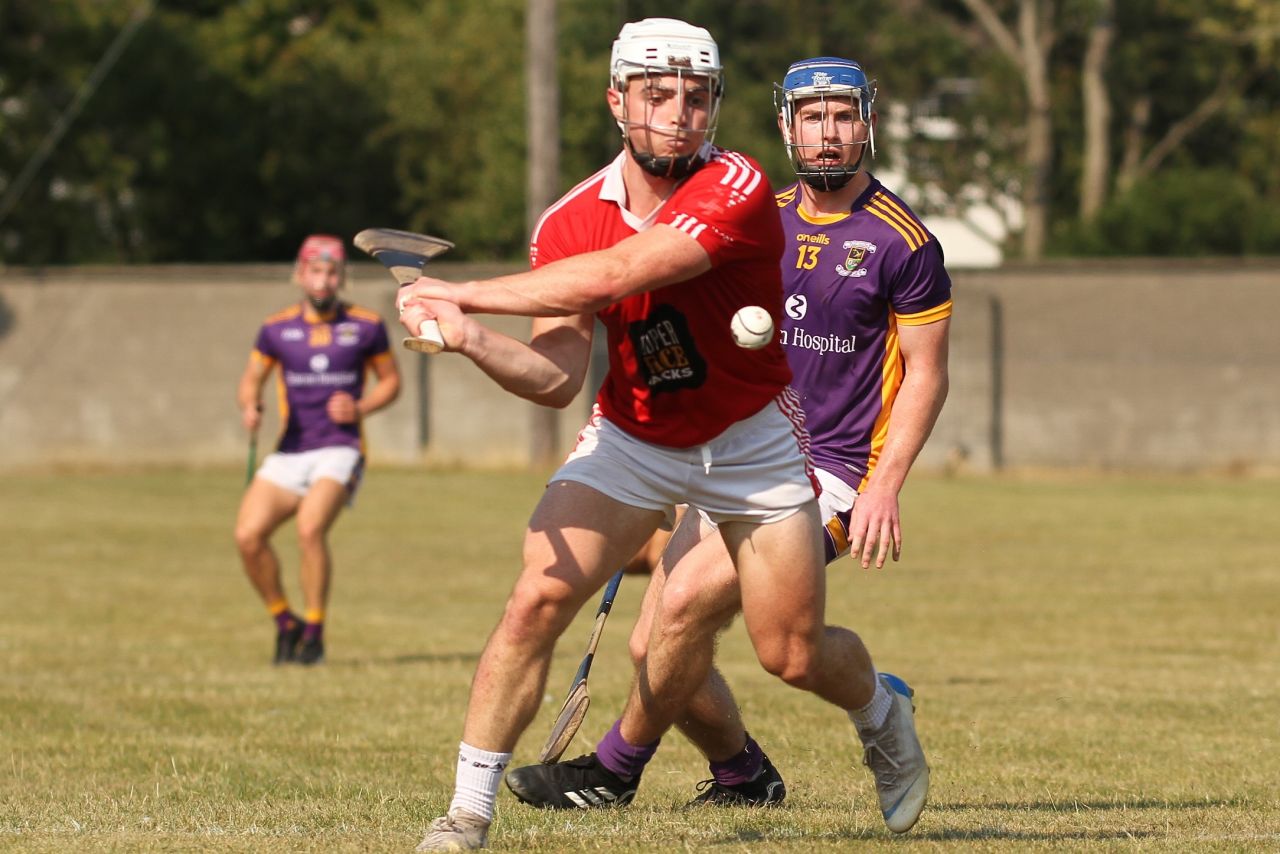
<point x="671" y="673"/>
<point x="646" y="561"/>
<point x="741" y="773"/>
<point x="316" y="514"/>
<point x="707" y="595"/>
<point x="567" y="558"/>
<point x="783" y="578"/>
<point x="693" y="602"/>
<point x="711" y="719"/>
<point x="263" y="509"/>
<point x="576" y="539"/>
<point x="783" y="612"/>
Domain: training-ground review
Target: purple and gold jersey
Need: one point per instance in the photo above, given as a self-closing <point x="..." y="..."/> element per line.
<point x="318" y="357"/>
<point x="849" y="281"/>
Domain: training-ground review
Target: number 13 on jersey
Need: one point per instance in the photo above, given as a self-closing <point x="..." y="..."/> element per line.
<point x="808" y="257"/>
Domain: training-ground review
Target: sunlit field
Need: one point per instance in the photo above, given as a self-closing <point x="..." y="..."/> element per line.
<point x="1097" y="663"/>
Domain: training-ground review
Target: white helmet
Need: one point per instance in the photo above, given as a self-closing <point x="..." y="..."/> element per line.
<point x="666" y="46"/>
<point x="663" y="43"/>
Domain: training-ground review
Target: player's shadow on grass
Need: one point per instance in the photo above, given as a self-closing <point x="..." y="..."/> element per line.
<point x="1035" y="835"/>
<point x="1088" y="806"/>
<point x="412" y="658"/>
<point x="944" y="835"/>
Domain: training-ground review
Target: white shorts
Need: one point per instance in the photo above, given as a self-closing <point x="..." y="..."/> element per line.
<point x="297" y="472"/>
<point x="835" y="506"/>
<point x="758" y="470"/>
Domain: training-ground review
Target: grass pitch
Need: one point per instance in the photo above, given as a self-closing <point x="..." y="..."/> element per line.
<point x="1097" y="664"/>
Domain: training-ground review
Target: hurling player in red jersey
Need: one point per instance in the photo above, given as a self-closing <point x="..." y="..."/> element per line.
<point x="868" y="306"/>
<point x="663" y="246"/>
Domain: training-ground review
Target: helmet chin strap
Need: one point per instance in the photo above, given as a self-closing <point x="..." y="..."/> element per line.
<point x="830" y="180"/>
<point x="674" y="168"/>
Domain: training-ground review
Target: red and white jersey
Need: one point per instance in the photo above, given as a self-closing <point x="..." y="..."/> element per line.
<point x="676" y="377"/>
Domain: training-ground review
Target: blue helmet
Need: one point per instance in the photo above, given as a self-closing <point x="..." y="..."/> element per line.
<point x="825" y="77"/>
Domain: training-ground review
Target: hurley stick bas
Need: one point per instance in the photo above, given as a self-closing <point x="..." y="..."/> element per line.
<point x="575" y="705"/>
<point x="404" y="253"/>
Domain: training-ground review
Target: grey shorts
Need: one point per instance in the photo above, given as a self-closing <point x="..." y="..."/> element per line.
<point x="297" y="472"/>
<point x="835" y="507"/>
<point x="758" y="470"/>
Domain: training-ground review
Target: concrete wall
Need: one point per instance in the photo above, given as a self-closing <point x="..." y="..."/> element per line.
<point x="1146" y="365"/>
<point x="141" y="365"/>
<point x="1171" y="365"/>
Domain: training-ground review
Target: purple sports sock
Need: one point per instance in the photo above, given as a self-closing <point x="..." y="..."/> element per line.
<point x="624" y="759"/>
<point x="743" y="767"/>
<point x="312" y="631"/>
<point x="286" y="620"/>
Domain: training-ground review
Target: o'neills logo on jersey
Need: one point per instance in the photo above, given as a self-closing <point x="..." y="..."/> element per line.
<point x="820" y="343"/>
<point x="665" y="351"/>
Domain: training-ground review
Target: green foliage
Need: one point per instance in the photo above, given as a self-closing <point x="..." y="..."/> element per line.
<point x="1181" y="212"/>
<point x="228" y="131"/>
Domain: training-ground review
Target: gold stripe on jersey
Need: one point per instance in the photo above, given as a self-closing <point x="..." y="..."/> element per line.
<point x="912" y="232"/>
<point x="923" y="318"/>
<point x="906" y="235"/>
<point x="907" y="216"/>
<point x="363" y="314"/>
<point x="380" y="358"/>
<point x="288" y="314"/>
<point x="914" y="240"/>
<point x="364" y="381"/>
<point x="890" y="382"/>
<point x="261" y="358"/>
<point x="282" y="406"/>
<point x="787" y="196"/>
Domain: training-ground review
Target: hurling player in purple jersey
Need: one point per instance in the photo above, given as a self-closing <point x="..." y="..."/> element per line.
<point x="323" y="348"/>
<point x="868" y="305"/>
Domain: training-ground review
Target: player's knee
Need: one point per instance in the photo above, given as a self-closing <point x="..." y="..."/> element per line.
<point x="311" y="534"/>
<point x="690" y="608"/>
<point x="794" y="662"/>
<point x="249" y="540"/>
<point x="638" y="646"/>
<point x="538" y="610"/>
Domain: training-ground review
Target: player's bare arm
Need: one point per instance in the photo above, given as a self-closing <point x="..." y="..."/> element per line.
<point x="385" y="390"/>
<point x="549" y="370"/>
<point x="585" y="283"/>
<point x="249" y="391"/>
<point x="876" y="526"/>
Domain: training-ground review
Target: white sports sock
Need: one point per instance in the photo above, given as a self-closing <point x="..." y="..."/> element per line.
<point x="873" y="714"/>
<point x="476" y="786"/>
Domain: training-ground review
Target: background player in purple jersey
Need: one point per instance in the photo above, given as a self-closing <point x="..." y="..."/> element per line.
<point x="323" y="347"/>
<point x="867" y="304"/>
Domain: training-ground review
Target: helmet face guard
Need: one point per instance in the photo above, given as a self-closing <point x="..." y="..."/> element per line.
<point x="834" y="83"/>
<point x="658" y="49"/>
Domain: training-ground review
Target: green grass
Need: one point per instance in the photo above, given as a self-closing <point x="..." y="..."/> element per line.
<point x="1097" y="664"/>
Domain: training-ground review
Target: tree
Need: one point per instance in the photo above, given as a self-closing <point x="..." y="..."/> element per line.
<point x="1096" y="173"/>
<point x="1028" y="46"/>
<point x="1212" y="52"/>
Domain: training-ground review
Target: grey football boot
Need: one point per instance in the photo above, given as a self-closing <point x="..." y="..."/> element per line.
<point x="894" y="755"/>
<point x="457" y="830"/>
